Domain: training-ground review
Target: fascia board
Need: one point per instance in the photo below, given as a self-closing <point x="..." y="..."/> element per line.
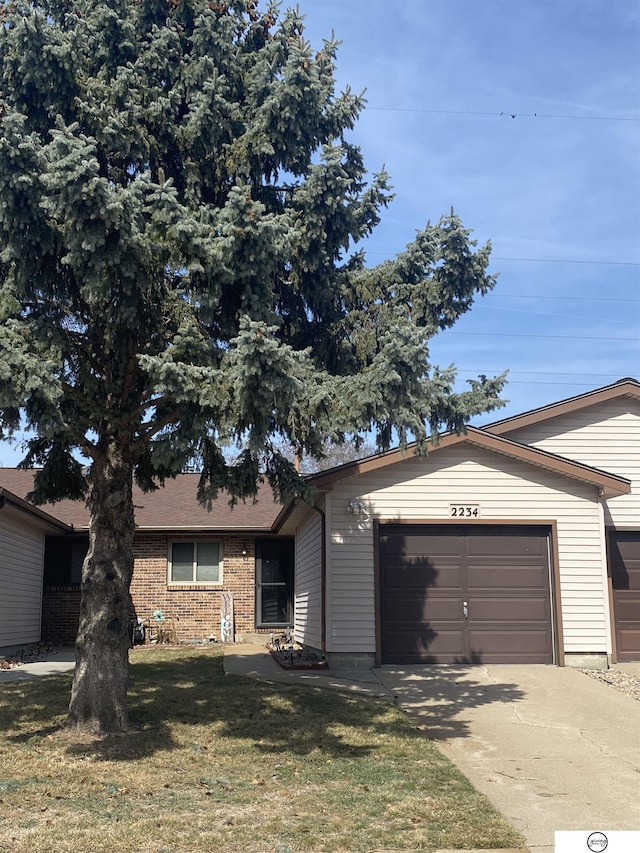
<point x="629" y="388"/>
<point x="34" y="511"/>
<point x="610" y="483"/>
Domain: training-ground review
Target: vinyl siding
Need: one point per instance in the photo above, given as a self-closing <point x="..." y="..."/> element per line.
<point x="606" y="436"/>
<point x="422" y="489"/>
<point x="21" y="560"/>
<point x="308" y="584"/>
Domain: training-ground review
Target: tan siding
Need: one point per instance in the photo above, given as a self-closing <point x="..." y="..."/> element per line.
<point x="308" y="583"/>
<point x="422" y="489"/>
<point x="606" y="436"/>
<point x="21" y="556"/>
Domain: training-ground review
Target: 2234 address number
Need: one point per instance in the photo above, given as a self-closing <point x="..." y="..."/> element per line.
<point x="464" y="510"/>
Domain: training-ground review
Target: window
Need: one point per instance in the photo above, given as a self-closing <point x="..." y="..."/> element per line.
<point x="195" y="562"/>
<point x="63" y="559"/>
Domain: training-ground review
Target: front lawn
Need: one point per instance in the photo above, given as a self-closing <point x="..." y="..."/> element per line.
<point x="228" y="764"/>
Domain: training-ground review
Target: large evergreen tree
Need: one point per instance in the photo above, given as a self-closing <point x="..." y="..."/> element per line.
<point x="178" y="205"/>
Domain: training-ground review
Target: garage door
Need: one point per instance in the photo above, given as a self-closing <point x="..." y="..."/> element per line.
<point x="464" y="594"/>
<point x="624" y="554"/>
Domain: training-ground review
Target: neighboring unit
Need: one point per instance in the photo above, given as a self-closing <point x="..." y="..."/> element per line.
<point x="23" y="528"/>
<point x="185" y="558"/>
<point x="519" y="542"/>
<point x="515" y="543"/>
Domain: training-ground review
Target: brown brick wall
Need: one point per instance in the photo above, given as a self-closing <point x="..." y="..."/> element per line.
<point x="194" y="609"/>
<point x="60" y="615"/>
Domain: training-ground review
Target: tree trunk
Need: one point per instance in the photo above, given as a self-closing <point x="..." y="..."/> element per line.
<point x="99" y="693"/>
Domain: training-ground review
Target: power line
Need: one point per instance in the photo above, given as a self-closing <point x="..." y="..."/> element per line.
<point x="538" y="373"/>
<point x="533" y="382"/>
<point x="544" y="260"/>
<point x="570" y="261"/>
<point x="501" y="114"/>
<point x="572" y="298"/>
<point x="528" y="335"/>
<point x="608" y="376"/>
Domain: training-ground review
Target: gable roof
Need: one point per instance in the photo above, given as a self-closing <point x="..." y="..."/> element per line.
<point x="611" y="485"/>
<point x="174" y="507"/>
<point x="628" y="387"/>
<point x="36" y="514"/>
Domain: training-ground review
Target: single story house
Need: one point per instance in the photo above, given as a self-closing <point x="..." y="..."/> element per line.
<point x="186" y="557"/>
<point x="517" y="542"/>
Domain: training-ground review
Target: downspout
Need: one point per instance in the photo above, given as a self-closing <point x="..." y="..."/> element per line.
<point x="323" y="580"/>
<point x="610" y="627"/>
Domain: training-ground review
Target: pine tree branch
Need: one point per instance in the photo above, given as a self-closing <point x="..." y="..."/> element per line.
<point x="151" y="429"/>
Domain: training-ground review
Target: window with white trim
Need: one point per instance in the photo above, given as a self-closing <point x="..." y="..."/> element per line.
<point x="195" y="562"/>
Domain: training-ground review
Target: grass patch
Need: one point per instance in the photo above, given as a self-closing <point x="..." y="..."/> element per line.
<point x="227" y="763"/>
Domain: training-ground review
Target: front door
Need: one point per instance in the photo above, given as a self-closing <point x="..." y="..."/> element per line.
<point x="274" y="583"/>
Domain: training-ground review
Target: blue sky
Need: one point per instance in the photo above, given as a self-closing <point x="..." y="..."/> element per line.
<point x="559" y="184"/>
<point x="556" y="189"/>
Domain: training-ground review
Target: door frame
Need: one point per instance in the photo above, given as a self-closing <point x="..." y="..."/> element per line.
<point x="557" y="640"/>
<point x="609" y="531"/>
<point x="283" y="541"/>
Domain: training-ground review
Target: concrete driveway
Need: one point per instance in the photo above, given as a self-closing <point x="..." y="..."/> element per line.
<point x="552" y="748"/>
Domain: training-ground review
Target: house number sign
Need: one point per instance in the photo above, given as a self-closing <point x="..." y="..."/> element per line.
<point x="464" y="510"/>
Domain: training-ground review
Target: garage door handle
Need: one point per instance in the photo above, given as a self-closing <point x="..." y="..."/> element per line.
<point x="465" y="609"/>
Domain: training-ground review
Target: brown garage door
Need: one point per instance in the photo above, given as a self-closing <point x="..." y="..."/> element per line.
<point x="465" y="594"/>
<point x="624" y="559"/>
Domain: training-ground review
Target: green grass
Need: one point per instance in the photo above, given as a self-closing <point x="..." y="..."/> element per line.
<point x="228" y="764"/>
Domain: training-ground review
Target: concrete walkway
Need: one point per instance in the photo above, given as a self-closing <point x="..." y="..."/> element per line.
<point x="550" y="747"/>
<point x="51" y="664"/>
<point x="256" y="662"/>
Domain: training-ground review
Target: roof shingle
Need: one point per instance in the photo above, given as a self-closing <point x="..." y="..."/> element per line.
<point x="173" y="507"/>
